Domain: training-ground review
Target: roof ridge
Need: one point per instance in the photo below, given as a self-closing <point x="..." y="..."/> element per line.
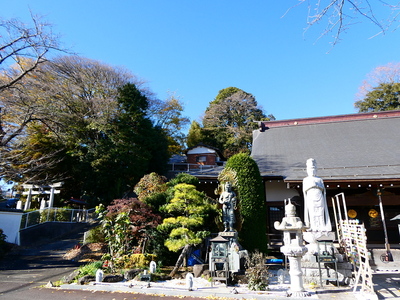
<point x="331" y="119"/>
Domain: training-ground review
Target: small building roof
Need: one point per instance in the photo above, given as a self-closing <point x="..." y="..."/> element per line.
<point x="207" y="173"/>
<point x="356" y="147"/>
<point x="219" y="239"/>
<point x="203" y="147"/>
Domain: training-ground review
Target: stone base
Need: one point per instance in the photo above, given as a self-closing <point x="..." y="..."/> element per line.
<point x="315" y="244"/>
<point x="229" y="234"/>
<point x="328" y="273"/>
<point x="301" y="294"/>
<point x="314" y="236"/>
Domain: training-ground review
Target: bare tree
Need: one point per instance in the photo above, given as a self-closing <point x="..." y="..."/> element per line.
<point x="167" y="115"/>
<point x="339" y="15"/>
<point x="18" y="42"/>
<point x="60" y="101"/>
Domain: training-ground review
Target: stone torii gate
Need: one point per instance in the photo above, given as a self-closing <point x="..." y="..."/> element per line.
<point x="33" y="189"/>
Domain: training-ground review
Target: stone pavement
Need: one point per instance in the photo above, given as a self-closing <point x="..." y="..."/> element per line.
<point x="33" y="267"/>
<point x="386" y="286"/>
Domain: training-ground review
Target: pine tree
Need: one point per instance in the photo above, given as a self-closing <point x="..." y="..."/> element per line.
<point x="187" y="227"/>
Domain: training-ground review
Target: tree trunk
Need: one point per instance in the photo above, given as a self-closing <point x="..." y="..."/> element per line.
<point x="180" y="260"/>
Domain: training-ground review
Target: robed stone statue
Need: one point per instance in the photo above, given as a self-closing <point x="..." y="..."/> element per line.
<point x="316" y="214"/>
<point x="228" y="201"/>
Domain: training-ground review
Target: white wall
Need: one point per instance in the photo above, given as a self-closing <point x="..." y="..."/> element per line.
<point x="10" y="222"/>
<point x="277" y="191"/>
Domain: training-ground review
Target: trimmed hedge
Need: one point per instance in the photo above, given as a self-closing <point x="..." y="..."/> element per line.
<point x="252" y="207"/>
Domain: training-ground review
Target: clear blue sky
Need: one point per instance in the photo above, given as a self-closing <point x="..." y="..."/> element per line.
<point x="195" y="48"/>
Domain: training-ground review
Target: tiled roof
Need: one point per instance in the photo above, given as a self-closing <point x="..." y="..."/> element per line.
<point x="363" y="147"/>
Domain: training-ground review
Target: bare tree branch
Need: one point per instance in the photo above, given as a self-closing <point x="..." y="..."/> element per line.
<point x="339" y="15"/>
<point x="18" y="41"/>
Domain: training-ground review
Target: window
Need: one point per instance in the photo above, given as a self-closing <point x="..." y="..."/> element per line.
<point x="201" y="159"/>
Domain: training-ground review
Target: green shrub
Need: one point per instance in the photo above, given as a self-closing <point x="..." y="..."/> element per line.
<point x="63" y="215"/>
<point x="183" y="178"/>
<point x="59" y="214"/>
<point x="134" y="261"/>
<point x="33" y="218"/>
<point x="90" y="269"/>
<point x="95" y="235"/>
<point x="256" y="272"/>
<point x="252" y="207"/>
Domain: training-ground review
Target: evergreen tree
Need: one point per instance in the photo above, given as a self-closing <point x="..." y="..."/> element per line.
<point x="137" y="146"/>
<point x="195" y="135"/>
<point x="384" y="97"/>
<point x="228" y="122"/>
<point x="122" y="151"/>
<point x="187" y="226"/>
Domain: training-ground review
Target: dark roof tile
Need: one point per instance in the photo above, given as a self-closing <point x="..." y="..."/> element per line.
<point x="361" y="149"/>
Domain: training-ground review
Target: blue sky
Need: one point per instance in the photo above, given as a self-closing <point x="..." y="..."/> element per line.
<point x="196" y="48"/>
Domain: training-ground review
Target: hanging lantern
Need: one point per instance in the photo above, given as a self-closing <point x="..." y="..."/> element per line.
<point x="352" y="213"/>
<point x="373" y="213"/>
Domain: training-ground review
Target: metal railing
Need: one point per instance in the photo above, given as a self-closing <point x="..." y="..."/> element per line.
<point x="56" y="214"/>
<point x="186" y="167"/>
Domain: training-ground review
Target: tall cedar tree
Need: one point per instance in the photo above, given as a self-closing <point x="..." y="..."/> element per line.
<point x="126" y="150"/>
<point x="252" y="207"/>
<point x="138" y="147"/>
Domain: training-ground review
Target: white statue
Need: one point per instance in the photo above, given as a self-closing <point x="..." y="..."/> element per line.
<point x="153" y="267"/>
<point x="316" y="214"/>
<point x="189" y="281"/>
<point x="99" y="275"/>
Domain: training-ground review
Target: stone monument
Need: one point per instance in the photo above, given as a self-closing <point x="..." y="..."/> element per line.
<point x="319" y="234"/>
<point x="153" y="267"/>
<point x="293" y="247"/>
<point x="226" y="253"/>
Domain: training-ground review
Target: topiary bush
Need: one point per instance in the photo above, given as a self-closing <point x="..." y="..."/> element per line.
<point x="252" y="207"/>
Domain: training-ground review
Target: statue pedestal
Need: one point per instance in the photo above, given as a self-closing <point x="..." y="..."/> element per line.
<point x="229" y="235"/>
<point x="312" y="270"/>
<point x="235" y="253"/>
<point x="312" y="238"/>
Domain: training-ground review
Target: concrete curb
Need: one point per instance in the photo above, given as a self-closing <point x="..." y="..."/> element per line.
<point x="205" y="292"/>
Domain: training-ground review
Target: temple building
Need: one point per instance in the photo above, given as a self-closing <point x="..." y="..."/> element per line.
<point x="358" y="156"/>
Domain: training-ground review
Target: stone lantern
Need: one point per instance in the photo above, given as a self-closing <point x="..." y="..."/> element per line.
<point x="293" y="247"/>
<point x="219" y="265"/>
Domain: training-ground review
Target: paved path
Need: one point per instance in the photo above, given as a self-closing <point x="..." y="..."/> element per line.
<point x="27" y="268"/>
